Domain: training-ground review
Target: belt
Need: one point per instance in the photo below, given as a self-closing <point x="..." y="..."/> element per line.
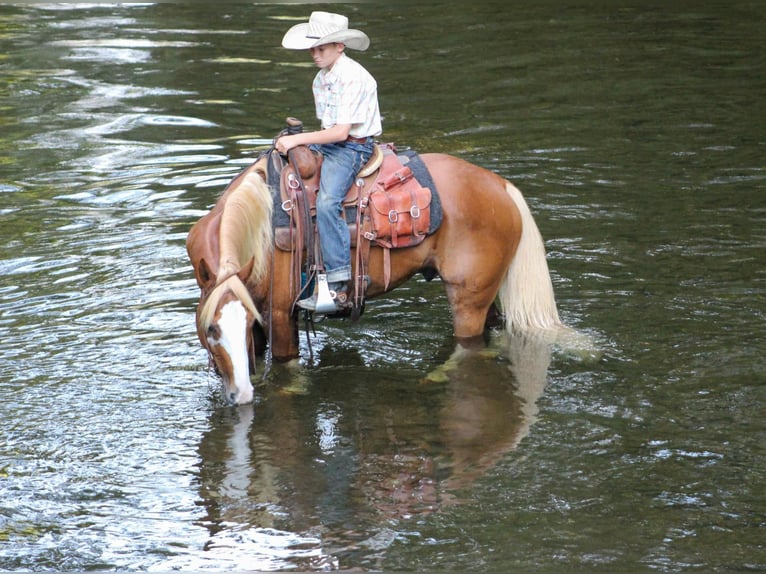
<point x="352" y="139"/>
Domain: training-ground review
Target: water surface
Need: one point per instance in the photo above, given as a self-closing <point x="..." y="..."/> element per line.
<point x="637" y="136"/>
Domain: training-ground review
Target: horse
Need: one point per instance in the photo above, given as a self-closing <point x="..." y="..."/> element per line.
<point x="488" y="248"/>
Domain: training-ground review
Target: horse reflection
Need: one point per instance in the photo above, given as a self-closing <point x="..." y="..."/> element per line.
<point x="348" y="457"/>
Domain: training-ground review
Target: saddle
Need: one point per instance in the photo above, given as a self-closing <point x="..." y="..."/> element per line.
<point x="386" y="206"/>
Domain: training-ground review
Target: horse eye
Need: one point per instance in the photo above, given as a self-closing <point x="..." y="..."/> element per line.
<point x="214" y="332"/>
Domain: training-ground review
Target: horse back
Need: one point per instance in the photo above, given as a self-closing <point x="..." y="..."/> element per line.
<point x="472" y="196"/>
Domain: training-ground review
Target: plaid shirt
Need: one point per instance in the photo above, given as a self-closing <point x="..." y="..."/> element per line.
<point x="348" y="94"/>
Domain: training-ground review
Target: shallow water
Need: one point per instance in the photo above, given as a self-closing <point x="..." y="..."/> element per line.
<point x="637" y="137"/>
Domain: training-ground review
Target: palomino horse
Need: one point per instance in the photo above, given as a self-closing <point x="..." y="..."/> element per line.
<point x="488" y="247"/>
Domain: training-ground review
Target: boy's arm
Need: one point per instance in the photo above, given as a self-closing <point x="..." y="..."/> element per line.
<point x="336" y="133"/>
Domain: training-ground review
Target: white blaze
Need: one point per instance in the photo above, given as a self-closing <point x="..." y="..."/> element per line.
<point x="233" y="325"/>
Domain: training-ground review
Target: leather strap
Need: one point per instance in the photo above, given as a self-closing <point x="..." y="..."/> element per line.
<point x="362" y="253"/>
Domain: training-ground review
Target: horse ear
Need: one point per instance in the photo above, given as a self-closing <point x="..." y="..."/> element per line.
<point x="204" y="274"/>
<point x="245" y="272"/>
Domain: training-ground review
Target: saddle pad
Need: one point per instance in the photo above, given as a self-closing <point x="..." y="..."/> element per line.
<point x="413" y="160"/>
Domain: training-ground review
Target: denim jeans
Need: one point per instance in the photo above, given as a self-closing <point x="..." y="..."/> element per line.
<point x="342" y="161"/>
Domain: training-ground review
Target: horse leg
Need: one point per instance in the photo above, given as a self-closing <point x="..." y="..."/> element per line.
<point x="285" y="351"/>
<point x="494" y="317"/>
<point x="472" y="282"/>
<point x="471" y="312"/>
<point x="259" y="342"/>
<point x="471" y="294"/>
<point x="284" y="333"/>
<point x="281" y="324"/>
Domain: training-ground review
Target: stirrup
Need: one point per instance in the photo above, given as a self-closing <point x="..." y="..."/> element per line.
<point x="325" y="302"/>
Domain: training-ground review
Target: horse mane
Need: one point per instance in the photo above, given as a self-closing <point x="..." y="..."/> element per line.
<point x="245" y="228"/>
<point x="244" y="233"/>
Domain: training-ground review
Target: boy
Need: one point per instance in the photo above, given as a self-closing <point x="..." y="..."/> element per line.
<point x="346" y="100"/>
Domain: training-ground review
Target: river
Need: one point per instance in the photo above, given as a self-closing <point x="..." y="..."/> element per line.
<point x="638" y="137"/>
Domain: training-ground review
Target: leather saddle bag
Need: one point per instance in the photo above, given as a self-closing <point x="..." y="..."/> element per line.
<point x="399" y="210"/>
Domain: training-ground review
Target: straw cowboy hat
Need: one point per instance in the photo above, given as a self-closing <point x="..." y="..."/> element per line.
<point x="324" y="28"/>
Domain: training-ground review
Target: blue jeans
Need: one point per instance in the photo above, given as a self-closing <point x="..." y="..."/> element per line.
<point x="342" y="161"/>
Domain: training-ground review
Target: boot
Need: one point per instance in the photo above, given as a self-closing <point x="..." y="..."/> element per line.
<point x="337" y="291"/>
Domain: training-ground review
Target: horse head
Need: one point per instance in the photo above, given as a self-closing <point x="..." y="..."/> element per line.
<point x="225" y="324"/>
<point x="230" y="249"/>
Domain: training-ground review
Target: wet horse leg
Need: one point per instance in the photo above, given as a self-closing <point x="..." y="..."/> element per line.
<point x="472" y="272"/>
<point x="471" y="287"/>
<point x="284" y="332"/>
<point x="470" y="308"/>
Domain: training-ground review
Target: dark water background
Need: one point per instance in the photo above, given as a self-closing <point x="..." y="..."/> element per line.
<point x="638" y="136"/>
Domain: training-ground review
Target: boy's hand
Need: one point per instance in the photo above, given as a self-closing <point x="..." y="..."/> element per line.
<point x="285" y="144"/>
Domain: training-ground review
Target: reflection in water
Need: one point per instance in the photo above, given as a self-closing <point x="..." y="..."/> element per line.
<point x="311" y="479"/>
<point x="240" y="488"/>
<point x="483" y="418"/>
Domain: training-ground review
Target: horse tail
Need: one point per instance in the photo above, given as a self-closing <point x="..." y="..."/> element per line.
<point x="526" y="296"/>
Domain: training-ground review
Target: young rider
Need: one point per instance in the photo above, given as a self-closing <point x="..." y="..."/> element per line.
<point x="346" y="100"/>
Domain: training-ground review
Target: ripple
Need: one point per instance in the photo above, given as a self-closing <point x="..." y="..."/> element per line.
<point x="259" y="550"/>
<point x="121" y="43"/>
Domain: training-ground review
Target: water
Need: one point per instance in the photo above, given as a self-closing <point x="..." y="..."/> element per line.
<point x="637" y="137"/>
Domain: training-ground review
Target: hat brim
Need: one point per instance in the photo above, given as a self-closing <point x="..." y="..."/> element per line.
<point x="295" y="39"/>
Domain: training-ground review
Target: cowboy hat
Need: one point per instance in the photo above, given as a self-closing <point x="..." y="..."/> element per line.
<point x="324" y="28"/>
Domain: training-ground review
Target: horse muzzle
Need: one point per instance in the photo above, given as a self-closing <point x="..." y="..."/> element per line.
<point x="236" y="395"/>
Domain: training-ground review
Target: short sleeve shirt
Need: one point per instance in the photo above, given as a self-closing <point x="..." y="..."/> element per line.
<point x="348" y="94"/>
